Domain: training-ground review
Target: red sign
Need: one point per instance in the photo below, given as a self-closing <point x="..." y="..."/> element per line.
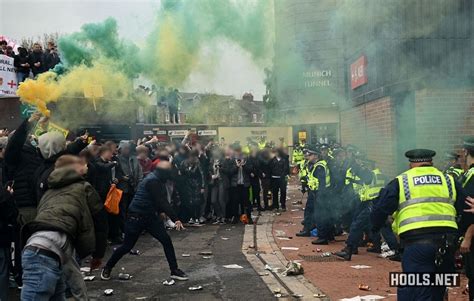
<point x="359" y="72"/>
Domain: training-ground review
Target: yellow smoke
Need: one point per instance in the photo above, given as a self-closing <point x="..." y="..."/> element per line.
<point x="41" y="91"/>
<point x="175" y="59"/>
<point x="50" y="87"/>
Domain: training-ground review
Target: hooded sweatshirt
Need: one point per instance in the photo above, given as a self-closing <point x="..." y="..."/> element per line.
<point x="68" y="207"/>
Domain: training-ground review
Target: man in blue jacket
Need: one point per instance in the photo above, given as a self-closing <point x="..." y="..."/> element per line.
<point x="143" y="214"/>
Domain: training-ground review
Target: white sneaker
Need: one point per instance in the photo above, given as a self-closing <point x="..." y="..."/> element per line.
<point x="387" y="254"/>
<point x="202" y="220"/>
<point x="196" y="221"/>
<point x="191" y="221"/>
<point x="169" y="224"/>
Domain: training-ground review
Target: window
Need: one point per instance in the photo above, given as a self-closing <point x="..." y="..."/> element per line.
<point x="241" y="118"/>
<point x="254" y="118"/>
<point x="167" y="117"/>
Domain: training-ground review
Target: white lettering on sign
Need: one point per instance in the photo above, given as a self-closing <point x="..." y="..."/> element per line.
<point x="317" y="78"/>
<point x="207" y="133"/>
<point x="177" y="133"/>
<point x="427" y="180"/>
<point x="8" y="84"/>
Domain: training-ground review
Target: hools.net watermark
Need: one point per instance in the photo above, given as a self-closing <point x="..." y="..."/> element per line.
<point x="424" y="279"/>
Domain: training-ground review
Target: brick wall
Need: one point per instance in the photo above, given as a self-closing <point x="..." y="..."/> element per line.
<point x="371" y="127"/>
<point x="443" y="119"/>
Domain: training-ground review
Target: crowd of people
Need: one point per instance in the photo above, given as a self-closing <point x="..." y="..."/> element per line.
<point x="31" y="62"/>
<point x="53" y="206"/>
<point x="55" y="191"/>
<point x="424" y="214"/>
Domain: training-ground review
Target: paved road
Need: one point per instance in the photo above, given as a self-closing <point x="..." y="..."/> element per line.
<point x="150" y="269"/>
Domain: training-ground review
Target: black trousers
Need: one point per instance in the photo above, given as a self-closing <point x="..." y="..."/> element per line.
<point x="239" y="197"/>
<point x="266" y="188"/>
<point x="279" y="192"/>
<point x="174" y="115"/>
<point x="255" y="183"/>
<point x="469" y="267"/>
<point x="134" y="227"/>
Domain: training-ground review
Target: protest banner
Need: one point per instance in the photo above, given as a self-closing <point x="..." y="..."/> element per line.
<point x="8" y="84"/>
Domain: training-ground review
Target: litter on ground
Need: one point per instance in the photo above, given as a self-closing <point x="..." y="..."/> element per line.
<point x="293" y="269"/>
<point x="109" y="292"/>
<point x="290" y="248"/>
<point x="364" y="298"/>
<point x="169" y="282"/>
<point x="195" y="288"/>
<point x="233" y="266"/>
<point x="360" y="266"/>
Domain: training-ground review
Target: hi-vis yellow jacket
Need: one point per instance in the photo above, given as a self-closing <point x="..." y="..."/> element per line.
<point x="426" y="199"/>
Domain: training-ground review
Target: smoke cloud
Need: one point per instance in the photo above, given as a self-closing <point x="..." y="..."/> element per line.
<point x="97" y="55"/>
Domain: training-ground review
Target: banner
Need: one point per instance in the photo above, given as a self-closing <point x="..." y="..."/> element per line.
<point x="40" y="129"/>
<point x="8" y="82"/>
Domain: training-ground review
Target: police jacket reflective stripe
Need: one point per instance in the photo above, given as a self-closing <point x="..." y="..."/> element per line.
<point x="303" y="171"/>
<point x="371" y="192"/>
<point x="313" y="182"/>
<point x="455" y="172"/>
<point x="467" y="176"/>
<point x="352" y="178"/>
<point x="426" y="199"/>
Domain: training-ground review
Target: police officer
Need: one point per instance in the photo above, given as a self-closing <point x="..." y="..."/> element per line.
<point x="359" y="177"/>
<point x="262" y="143"/>
<point x="298" y="152"/>
<point x="319" y="181"/>
<point x="425" y="202"/>
<point x="371" y="194"/>
<point x="307" y="165"/>
<point x="467" y="227"/>
<point x="451" y="166"/>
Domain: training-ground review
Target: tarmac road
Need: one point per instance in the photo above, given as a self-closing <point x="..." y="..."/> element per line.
<point x="150" y="269"/>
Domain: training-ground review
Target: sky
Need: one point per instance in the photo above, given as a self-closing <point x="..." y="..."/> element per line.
<point x="234" y="74"/>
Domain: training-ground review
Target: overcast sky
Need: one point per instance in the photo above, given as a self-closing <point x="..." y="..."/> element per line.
<point x="235" y="73"/>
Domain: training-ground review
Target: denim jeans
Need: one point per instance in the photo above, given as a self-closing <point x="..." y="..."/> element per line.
<point x="21" y="77"/>
<point x="134" y="227"/>
<point x="4" y="274"/>
<point x="42" y="278"/>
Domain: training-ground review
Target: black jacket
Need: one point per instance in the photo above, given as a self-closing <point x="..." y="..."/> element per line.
<point x="233" y="171"/>
<point x="8" y="215"/>
<point x="19" y="60"/>
<point x="279" y="168"/>
<point x="21" y="162"/>
<point x="51" y="59"/>
<point x="103" y="173"/>
<point x="37" y="57"/>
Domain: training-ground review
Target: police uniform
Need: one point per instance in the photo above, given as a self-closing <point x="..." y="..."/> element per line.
<point x="319" y="181"/>
<point x="467" y="181"/>
<point x="365" y="186"/>
<point x="262" y="144"/>
<point x="306" y="167"/>
<point x="455" y="169"/>
<point x="298" y="153"/>
<point x="424" y="203"/>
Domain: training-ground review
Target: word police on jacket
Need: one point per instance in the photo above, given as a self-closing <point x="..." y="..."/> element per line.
<point x="427" y="180"/>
